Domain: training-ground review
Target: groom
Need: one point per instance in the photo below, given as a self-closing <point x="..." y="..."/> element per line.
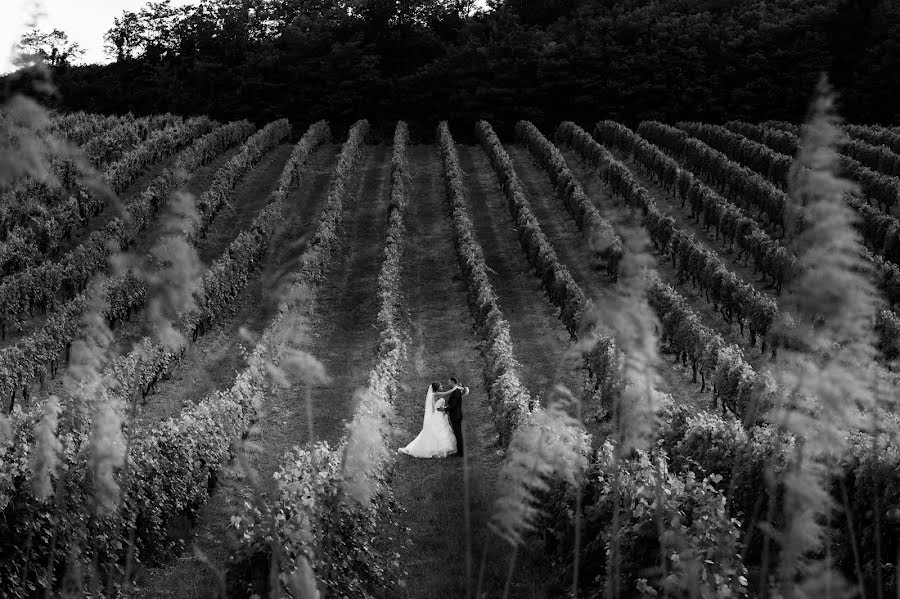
<point x="454" y="411"/>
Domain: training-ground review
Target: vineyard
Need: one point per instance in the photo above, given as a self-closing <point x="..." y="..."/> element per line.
<point x="216" y="336"/>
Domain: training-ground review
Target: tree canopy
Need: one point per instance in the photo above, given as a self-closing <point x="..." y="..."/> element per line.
<point x="52" y="48"/>
<point x="544" y="60"/>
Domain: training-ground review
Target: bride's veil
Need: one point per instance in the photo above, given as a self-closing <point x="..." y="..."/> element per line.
<point x="429" y="405"/>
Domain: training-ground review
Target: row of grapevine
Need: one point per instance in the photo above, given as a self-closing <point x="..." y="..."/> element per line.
<point x="863" y="482"/>
<point x="37" y="218"/>
<point x="773" y="165"/>
<point x="220" y="286"/>
<point x="348" y="481"/>
<point x="42" y="285"/>
<point x="887" y="329"/>
<point x="732" y="378"/>
<point x="147" y="136"/>
<point x="680" y="494"/>
<point x="739" y="301"/>
<point x="785" y="126"/>
<point x="602" y="361"/>
<point x="36" y="355"/>
<point x="64" y="164"/>
<point x="328" y="238"/>
<point x="887" y="276"/>
<point x="63" y="218"/>
<point x="780" y="141"/>
<point x="751" y="189"/>
<point x="169" y="468"/>
<point x="72" y="123"/>
<point x="875" y="135"/>
<point x="86" y="127"/>
<point x="879" y="230"/>
<point x="724" y="363"/>
<point x="597" y="230"/>
<point x="883" y="189"/>
<point x="880" y="159"/>
<point x="558" y="282"/>
<point x="112" y="145"/>
<point x="509" y="400"/>
<point x="769" y="256"/>
<point x="686" y="545"/>
<point x="226" y="178"/>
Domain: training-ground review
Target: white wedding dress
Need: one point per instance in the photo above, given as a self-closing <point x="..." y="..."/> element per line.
<point x="436" y="439"/>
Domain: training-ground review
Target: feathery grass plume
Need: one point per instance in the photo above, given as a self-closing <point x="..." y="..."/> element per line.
<point x="45" y="455"/>
<point x="107" y="450"/>
<point x="366" y="448"/>
<point x="549" y="443"/>
<point x="290" y="362"/>
<point x="22" y="150"/>
<point x="5" y="429"/>
<point x="302" y="581"/>
<point x="173" y="284"/>
<point x="827" y="366"/>
<point x="629" y="319"/>
<point x="85" y="383"/>
<point x="90" y="351"/>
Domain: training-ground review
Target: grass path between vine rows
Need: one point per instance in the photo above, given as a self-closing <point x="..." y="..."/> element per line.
<point x="443" y="343"/>
<point x="211" y="364"/>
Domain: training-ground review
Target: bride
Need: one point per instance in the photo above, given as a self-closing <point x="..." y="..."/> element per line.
<point x="436" y="439"/>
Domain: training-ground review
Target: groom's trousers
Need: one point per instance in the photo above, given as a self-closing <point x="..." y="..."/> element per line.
<point x="457" y="432"/>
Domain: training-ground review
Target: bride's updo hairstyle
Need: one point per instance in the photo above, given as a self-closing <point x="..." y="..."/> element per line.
<point x="435" y="386"/>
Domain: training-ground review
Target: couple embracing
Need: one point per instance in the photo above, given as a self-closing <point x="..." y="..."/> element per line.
<point x="441" y="434"/>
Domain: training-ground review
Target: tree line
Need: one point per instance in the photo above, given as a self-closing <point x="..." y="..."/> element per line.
<point x="542" y="60"/>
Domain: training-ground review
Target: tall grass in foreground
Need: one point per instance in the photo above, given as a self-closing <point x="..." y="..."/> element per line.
<point x="827" y="369"/>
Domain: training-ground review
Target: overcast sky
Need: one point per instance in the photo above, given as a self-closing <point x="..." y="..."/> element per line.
<point x="85" y="22"/>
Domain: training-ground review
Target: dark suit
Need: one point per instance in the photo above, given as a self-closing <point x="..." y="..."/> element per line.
<point x="454" y="413"/>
